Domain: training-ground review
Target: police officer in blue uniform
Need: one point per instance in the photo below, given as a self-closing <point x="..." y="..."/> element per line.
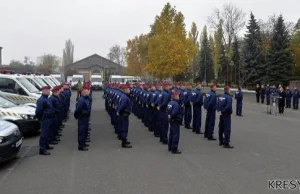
<point x="124" y="110"/>
<point x="188" y="107"/>
<point x="174" y="115"/>
<point x="82" y="113"/>
<point x="44" y="113"/>
<point x="225" y="110"/>
<point x="54" y="127"/>
<point x="288" y="97"/>
<point x="154" y="104"/>
<point x="295" y="98"/>
<point x="239" y="101"/>
<point x="181" y="101"/>
<point x="210" y="105"/>
<point x="268" y="94"/>
<point x="165" y="98"/>
<point x="197" y="101"/>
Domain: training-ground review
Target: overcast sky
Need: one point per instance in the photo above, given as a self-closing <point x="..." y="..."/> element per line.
<point x="34" y="27"/>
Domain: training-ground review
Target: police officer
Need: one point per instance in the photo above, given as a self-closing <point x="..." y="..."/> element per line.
<point x="225" y="110"/>
<point x="181" y="101"/>
<point x="295" y="98"/>
<point x="154" y="104"/>
<point x="268" y="94"/>
<point x="187" y="106"/>
<point x="197" y="101"/>
<point x="54" y="127"/>
<point x="165" y="98"/>
<point x="174" y="115"/>
<point x="239" y="101"/>
<point x="124" y="110"/>
<point x="82" y="113"/>
<point x="257" y="93"/>
<point x="288" y="95"/>
<point x="210" y="105"/>
<point x="44" y="113"/>
<point x="262" y="94"/>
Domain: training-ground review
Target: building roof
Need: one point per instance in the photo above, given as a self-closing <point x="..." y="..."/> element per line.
<point x="95" y="60"/>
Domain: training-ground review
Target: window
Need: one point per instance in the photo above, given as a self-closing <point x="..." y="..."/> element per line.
<point x="96" y="79"/>
<point x="27" y="85"/>
<point x="40" y="81"/>
<point x="10" y="86"/>
<point x="33" y="83"/>
<point x="6" y="103"/>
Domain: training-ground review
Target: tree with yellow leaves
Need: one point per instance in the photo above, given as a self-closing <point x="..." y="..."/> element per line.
<point x="136" y="55"/>
<point x="169" y="50"/>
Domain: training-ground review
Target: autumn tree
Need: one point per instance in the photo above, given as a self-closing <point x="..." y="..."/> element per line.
<point x="117" y="54"/>
<point x="136" y="55"/>
<point x="295" y="47"/>
<point x="48" y="63"/>
<point x="170" y="51"/>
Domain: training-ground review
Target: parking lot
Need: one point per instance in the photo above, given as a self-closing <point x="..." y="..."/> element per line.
<point x="266" y="147"/>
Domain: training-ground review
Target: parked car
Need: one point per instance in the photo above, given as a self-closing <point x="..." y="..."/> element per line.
<point x="10" y="140"/>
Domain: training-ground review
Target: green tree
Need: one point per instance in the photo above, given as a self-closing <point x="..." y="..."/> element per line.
<point x="279" y="57"/>
<point x="218" y="40"/>
<point x="295" y="47"/>
<point x="236" y="59"/>
<point x="254" y="70"/>
<point x="206" y="62"/>
<point x="223" y="71"/>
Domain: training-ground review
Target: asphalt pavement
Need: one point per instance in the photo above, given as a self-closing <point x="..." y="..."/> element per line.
<point x="266" y="147"/>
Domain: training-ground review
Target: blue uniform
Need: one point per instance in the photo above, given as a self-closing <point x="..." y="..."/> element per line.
<point x="239" y="102"/>
<point x="268" y="94"/>
<point x="55" y="103"/>
<point x="187" y="108"/>
<point x="124" y="110"/>
<point x="295" y="99"/>
<point x="181" y="100"/>
<point x="174" y="114"/>
<point x="225" y="107"/>
<point x="210" y="104"/>
<point x="164" y="99"/>
<point x="155" y="117"/>
<point x="288" y="95"/>
<point x="82" y="113"/>
<point x="44" y="113"/>
<point x="197" y="100"/>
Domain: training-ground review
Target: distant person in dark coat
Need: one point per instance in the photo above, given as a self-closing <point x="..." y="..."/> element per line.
<point x="257" y="92"/>
<point x="281" y="102"/>
<point x="262" y="94"/>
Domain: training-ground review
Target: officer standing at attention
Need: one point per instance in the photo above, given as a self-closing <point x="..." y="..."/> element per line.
<point x="295" y="98"/>
<point x="257" y="92"/>
<point x="154" y="104"/>
<point x="262" y="94"/>
<point x="124" y="110"/>
<point x="210" y="104"/>
<point x="288" y="97"/>
<point x="55" y="103"/>
<point x="44" y="113"/>
<point x="174" y="115"/>
<point x="268" y="94"/>
<point x="82" y="113"/>
<point x="225" y="111"/>
<point x="239" y="101"/>
<point x="181" y="101"/>
<point x="197" y="101"/>
<point x="188" y="107"/>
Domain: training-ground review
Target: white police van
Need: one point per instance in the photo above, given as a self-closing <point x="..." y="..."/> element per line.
<point x="96" y="82"/>
<point x="10" y="140"/>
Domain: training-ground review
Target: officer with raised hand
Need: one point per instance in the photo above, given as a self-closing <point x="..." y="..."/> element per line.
<point x="187" y="106"/>
<point x="197" y="100"/>
<point x="210" y="105"/>
<point x="174" y="115"/>
<point x="124" y="110"/>
<point x="239" y="101"/>
<point x="82" y="113"/>
<point x="163" y="116"/>
<point x="225" y="110"/>
<point x="44" y="113"/>
<point x="54" y="127"/>
<point x="295" y="98"/>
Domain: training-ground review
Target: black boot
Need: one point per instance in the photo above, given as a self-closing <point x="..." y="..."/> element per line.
<point x="188" y="127"/>
<point x="83" y="149"/>
<point x="49" y="148"/>
<point x="227" y="145"/>
<point x="176" y="152"/>
<point x="45" y="153"/>
<point x="211" y="138"/>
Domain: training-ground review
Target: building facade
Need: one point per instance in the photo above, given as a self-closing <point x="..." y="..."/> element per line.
<point x="95" y="64"/>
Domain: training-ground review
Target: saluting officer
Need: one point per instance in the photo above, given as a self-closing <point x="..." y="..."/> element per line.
<point x="197" y="101"/>
<point x="174" y="115"/>
<point x="44" y="113"/>
<point x="82" y="113"/>
<point x="54" y="127"/>
<point x="239" y="101"/>
<point x="225" y="110"/>
<point x="188" y="107"/>
<point x="210" y="104"/>
<point x="124" y="110"/>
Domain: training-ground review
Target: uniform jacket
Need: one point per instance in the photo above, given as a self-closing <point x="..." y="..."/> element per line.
<point x="43" y="108"/>
<point x="187" y="97"/>
<point x="225" y="104"/>
<point x="197" y="97"/>
<point x="210" y="102"/>
<point x="124" y="105"/>
<point x="239" y="95"/>
<point x="82" y="108"/>
<point x="174" y="110"/>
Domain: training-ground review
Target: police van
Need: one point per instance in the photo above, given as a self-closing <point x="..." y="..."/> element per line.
<point x="96" y="81"/>
<point x="10" y="140"/>
<point x="21" y="115"/>
<point x="124" y="79"/>
<point x="56" y="83"/>
<point x="59" y="77"/>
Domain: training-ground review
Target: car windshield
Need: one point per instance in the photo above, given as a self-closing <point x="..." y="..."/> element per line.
<point x="117" y="80"/>
<point x="4" y="103"/>
<point x="27" y="85"/>
<point x="96" y="79"/>
<point x="54" y="81"/>
<point x="40" y="81"/>
<point x="76" y="79"/>
<point x="49" y="82"/>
